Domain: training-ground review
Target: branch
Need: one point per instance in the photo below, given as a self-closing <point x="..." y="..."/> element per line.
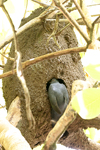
<point x="2" y="66"/>
<point x="79" y="85"/>
<point x="9" y="58"/>
<point x="27" y="26"/>
<point x="91" y="32"/>
<point x="44" y="57"/>
<point x="53" y="34"/>
<point x="83" y="124"/>
<point x="11" y="138"/>
<point x="74" y="8"/>
<point x="71" y="20"/>
<point x="82" y="14"/>
<point x="11" y="23"/>
<point x="14" y="112"/>
<point x="60" y="127"/>
<point x="52" y="55"/>
<point x="95" y="21"/>
<point x="64" y="1"/>
<point x="2" y="106"/>
<point x="19" y="31"/>
<point x="20" y="75"/>
<point x="93" y="5"/>
<point x="19" y="71"/>
<point x="79" y="21"/>
<point x="67" y="121"/>
<point x="25" y="9"/>
<point x="59" y="32"/>
<point x="40" y="3"/>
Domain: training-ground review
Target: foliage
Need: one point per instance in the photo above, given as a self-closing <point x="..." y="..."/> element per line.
<point x="94" y="71"/>
<point x="87" y="103"/>
<point x="90" y="132"/>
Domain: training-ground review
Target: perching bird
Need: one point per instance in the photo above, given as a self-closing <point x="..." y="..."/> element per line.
<point x="59" y="99"/>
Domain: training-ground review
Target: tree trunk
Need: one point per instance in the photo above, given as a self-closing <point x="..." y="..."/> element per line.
<point x="33" y="43"/>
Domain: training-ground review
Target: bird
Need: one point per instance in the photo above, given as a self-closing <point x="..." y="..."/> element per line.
<point x="59" y="99"/>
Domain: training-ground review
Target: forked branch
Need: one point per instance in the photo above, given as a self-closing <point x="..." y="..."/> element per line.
<point x="71" y="20"/>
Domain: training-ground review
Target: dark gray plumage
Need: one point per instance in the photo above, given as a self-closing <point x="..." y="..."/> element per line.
<point x="59" y="99"/>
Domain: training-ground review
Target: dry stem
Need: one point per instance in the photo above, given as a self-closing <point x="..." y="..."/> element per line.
<point x="44" y="57"/>
<point x="65" y="120"/>
<point x="20" y="72"/>
<point x="71" y="20"/>
<point x="82" y="14"/>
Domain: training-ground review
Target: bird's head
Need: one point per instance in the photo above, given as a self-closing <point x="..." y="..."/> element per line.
<point x="54" y="80"/>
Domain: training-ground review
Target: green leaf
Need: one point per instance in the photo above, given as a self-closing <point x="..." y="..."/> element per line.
<point x="90" y="133"/>
<point x="87" y="103"/>
<point x="82" y="54"/>
<point x="93" y="71"/>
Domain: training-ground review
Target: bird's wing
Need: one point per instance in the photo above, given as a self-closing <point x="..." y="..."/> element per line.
<point x="66" y="96"/>
<point x="54" y="104"/>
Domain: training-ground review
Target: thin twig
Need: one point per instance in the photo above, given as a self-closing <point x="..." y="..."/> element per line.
<point x="91" y="32"/>
<point x="40" y="3"/>
<point x="71" y="20"/>
<point x="9" y="58"/>
<point x="81" y="13"/>
<point x="44" y="57"/>
<point x="19" y="31"/>
<point x="95" y="20"/>
<point x="98" y="25"/>
<point x="79" y="21"/>
<point x="6" y="48"/>
<point x="52" y="55"/>
<point x="25" y="9"/>
<point x="93" y="5"/>
<point x="47" y="12"/>
<point x="2" y="106"/>
<point x="11" y="23"/>
<point x="64" y="1"/>
<point x="74" y="8"/>
<point x="59" y="32"/>
<point x="2" y="66"/>
<point x="30" y="24"/>
<point x="54" y="32"/>
<point x="27" y="26"/>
